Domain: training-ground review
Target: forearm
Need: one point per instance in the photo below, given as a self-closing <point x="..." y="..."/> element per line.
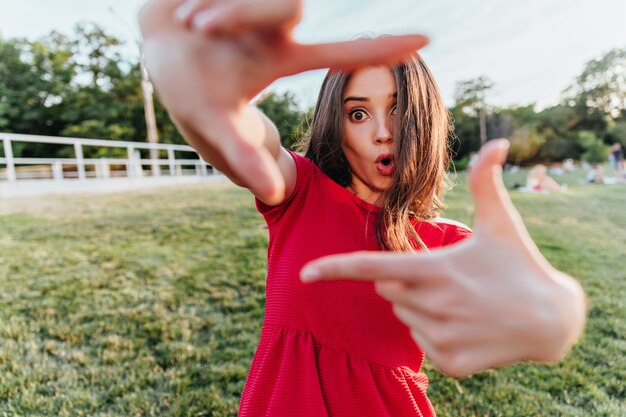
<point x="211" y="135"/>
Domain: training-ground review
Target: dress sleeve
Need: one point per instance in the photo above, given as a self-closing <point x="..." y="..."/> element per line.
<point x="457" y="234"/>
<point x="305" y="170"/>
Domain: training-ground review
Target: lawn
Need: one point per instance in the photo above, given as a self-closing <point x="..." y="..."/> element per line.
<point x="151" y="304"/>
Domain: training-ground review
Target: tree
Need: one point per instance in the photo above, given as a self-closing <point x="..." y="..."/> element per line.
<point x="471" y="97"/>
<point x="598" y="95"/>
<point x="464" y="138"/>
<point x="601" y="87"/>
<point x="107" y="100"/>
<point x="73" y="86"/>
<point x="617" y="132"/>
<point x="521" y="126"/>
<point x="34" y="77"/>
<point x="557" y="126"/>
<point x="595" y="151"/>
<point x="284" y="112"/>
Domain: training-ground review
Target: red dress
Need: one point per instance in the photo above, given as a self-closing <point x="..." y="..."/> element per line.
<point x="332" y="348"/>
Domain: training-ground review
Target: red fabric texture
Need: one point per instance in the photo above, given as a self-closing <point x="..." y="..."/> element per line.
<point x="332" y="348"/>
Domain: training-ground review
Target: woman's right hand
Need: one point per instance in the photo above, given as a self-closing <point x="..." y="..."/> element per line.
<point x="209" y="58"/>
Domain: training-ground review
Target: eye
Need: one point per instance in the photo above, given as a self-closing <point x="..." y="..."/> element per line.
<point x="357" y="115"/>
<point x="393" y="110"/>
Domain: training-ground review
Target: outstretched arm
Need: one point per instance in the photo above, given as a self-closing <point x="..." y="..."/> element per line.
<point x="209" y="58"/>
<point x="487" y="301"/>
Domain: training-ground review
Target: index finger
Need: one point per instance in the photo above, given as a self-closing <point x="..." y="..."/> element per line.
<point x="348" y="55"/>
<point x="373" y="266"/>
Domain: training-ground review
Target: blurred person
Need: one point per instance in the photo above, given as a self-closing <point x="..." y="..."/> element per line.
<point x="539" y="181"/>
<point x="616" y="158"/>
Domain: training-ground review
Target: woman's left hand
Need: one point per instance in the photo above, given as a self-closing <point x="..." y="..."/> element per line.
<point x="488" y="301"/>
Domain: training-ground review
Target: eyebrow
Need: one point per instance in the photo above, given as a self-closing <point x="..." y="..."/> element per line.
<point x="351" y="98"/>
<point x="355" y="98"/>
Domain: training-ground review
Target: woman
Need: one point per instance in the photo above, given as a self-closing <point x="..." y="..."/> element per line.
<point x="372" y="179"/>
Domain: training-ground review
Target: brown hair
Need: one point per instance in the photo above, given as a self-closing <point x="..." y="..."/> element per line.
<point x="421" y="151"/>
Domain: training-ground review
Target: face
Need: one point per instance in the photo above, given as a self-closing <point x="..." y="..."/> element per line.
<point x="369" y="106"/>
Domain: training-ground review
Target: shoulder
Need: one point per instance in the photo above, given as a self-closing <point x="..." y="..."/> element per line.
<point x="305" y="168"/>
<point x="307" y="175"/>
<point x="441" y="232"/>
<point x="451" y="224"/>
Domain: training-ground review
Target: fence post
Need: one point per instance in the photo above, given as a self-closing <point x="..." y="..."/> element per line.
<point x="8" y="155"/>
<point x="171" y="157"/>
<point x="102" y="169"/>
<point x="203" y="170"/>
<point x="137" y="166"/>
<point x="156" y="168"/>
<point x="129" y="161"/>
<point x="80" y="163"/>
<point x="57" y="171"/>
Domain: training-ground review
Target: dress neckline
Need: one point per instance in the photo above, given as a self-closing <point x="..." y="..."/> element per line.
<point x="369" y="207"/>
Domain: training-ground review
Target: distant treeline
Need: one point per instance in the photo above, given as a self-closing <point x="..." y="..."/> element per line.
<point x="82" y="86"/>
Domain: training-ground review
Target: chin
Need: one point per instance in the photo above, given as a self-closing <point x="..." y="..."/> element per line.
<point x="383" y="186"/>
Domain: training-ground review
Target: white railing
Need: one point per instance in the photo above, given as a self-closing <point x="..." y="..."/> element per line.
<point x="132" y="165"/>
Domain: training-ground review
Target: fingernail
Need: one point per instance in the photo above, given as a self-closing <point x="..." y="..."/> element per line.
<point x="203" y="19"/>
<point x="309" y="273"/>
<point x="503" y="143"/>
<point x="184" y="10"/>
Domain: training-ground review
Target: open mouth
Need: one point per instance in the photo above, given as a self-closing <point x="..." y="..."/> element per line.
<point x="385" y="164"/>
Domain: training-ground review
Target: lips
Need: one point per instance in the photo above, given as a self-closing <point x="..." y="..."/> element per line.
<point x="385" y="164"/>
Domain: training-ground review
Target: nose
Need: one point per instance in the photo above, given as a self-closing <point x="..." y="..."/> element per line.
<point x="384" y="131"/>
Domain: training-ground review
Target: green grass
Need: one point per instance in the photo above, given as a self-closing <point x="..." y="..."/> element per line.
<point x="151" y="305"/>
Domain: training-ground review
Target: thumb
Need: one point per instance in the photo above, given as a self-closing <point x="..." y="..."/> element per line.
<point x="493" y="205"/>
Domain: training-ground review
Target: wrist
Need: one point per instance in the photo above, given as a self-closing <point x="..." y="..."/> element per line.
<point x="562" y="318"/>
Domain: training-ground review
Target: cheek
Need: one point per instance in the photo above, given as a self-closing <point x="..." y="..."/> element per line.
<point x="355" y="135"/>
<point x="349" y="137"/>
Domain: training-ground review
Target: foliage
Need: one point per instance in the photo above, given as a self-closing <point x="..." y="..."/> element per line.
<point x="73" y="86"/>
<point x="521" y="127"/>
<point x="82" y="85"/>
<point x="595" y="102"/>
<point x="460" y="164"/>
<point x="471" y="95"/>
<point x="470" y="106"/>
<point x="464" y="136"/>
<point x="601" y="87"/>
<point x="617" y="132"/>
<point x="283" y="110"/>
<point x="151" y="305"/>
<point x="594" y="150"/>
<point x="525" y="143"/>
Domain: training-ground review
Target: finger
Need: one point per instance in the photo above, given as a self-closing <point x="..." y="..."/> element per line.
<point x="237" y="16"/>
<point x="496" y="216"/>
<point x="437" y="300"/>
<point x="386" y="50"/>
<point x="494" y="209"/>
<point x="423" y="324"/>
<point x="443" y="350"/>
<point x="454" y="359"/>
<point x="414" y="297"/>
<point x="187" y="9"/>
<point x="375" y="266"/>
<point x="392" y="289"/>
<point x="444" y="331"/>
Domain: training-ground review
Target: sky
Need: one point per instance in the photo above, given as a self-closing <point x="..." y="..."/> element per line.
<point x="531" y="49"/>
